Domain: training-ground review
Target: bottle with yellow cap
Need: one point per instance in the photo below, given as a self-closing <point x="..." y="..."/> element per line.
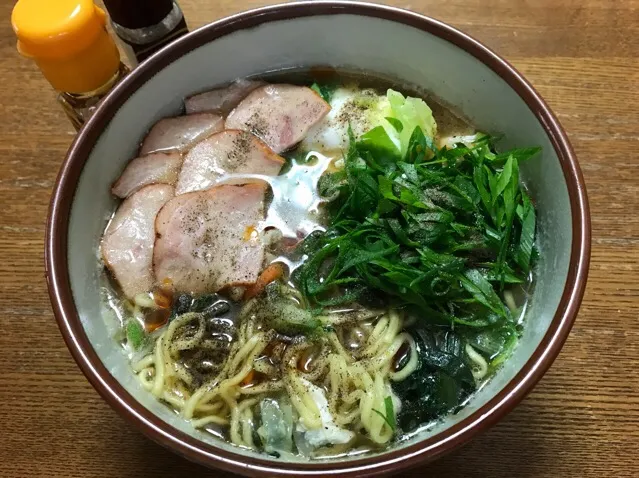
<point x="68" y="41"/>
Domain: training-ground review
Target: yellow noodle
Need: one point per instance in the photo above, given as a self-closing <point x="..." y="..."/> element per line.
<point x="209" y="407"/>
<point x="264" y="367"/>
<point x="480" y="368"/>
<point x="266" y="387"/>
<point x="247" y="428"/>
<point x="412" y="363"/>
<point x="234" y="432"/>
<point x="384" y="358"/>
<point x="247" y="352"/>
<point x="159" y="368"/>
<point x="185" y="344"/>
<point x="303" y="402"/>
<point x="143" y="363"/>
<point x="201" y="422"/>
<point x="173" y="400"/>
<point x="356" y="383"/>
<point x="332" y="337"/>
<point x="343" y="419"/>
<point x="509" y="299"/>
<point x="182" y="373"/>
<point x="146" y="378"/>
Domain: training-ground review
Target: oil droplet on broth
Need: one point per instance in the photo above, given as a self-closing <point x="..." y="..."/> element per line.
<point x="249" y="233"/>
<point x="295" y="206"/>
<point x="294" y="209"/>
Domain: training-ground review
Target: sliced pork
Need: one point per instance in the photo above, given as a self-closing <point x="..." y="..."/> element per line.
<point x="280" y="115"/>
<point x="221" y="100"/>
<point x="154" y="168"/>
<point x="206" y="240"/>
<point x="180" y="133"/>
<point x="127" y="244"/>
<point x="227" y="152"/>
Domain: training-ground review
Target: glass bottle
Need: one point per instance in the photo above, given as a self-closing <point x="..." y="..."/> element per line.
<point x="145" y="26"/>
<point x="68" y="41"/>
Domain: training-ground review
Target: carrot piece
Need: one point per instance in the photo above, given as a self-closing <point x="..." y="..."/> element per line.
<point x="248" y="380"/>
<point x="268" y="275"/>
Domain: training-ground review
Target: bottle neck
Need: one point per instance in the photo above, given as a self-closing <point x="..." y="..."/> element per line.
<point x="105" y="88"/>
<point x="80" y="106"/>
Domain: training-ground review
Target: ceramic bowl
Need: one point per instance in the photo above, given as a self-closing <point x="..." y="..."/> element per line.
<point x="384" y="41"/>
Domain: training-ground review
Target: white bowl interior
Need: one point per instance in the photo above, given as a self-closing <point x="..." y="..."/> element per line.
<point x="355" y="42"/>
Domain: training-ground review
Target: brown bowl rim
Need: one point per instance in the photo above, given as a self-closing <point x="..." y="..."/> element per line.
<point x="57" y="273"/>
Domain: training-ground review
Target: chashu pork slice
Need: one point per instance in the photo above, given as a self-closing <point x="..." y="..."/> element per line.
<point x="204" y="240"/>
<point x="127" y="244"/>
<point x="220" y="100"/>
<point x="228" y="152"/>
<point x="154" y="168"/>
<point x="280" y="114"/>
<point x="181" y="132"/>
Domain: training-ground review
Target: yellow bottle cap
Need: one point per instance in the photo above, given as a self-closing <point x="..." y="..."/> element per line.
<point x="68" y="41"/>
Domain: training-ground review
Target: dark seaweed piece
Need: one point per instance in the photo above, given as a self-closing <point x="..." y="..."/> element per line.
<point x="440" y="384"/>
<point x="181" y="305"/>
<point x="210" y="304"/>
<point x="201" y="302"/>
<point x="217" y="309"/>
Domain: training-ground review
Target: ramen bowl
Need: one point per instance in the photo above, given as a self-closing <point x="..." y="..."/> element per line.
<point x="384" y="41"/>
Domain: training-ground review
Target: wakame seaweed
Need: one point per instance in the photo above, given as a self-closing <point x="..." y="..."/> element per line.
<point x="440" y="384"/>
<point x="211" y="305"/>
<point x="440" y="232"/>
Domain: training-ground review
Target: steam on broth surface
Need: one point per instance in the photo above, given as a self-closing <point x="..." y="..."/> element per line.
<point x="318" y="268"/>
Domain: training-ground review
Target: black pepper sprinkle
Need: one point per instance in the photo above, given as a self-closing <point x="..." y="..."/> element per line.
<point x="241" y="148"/>
<point x="257" y="124"/>
<point x="353" y="112"/>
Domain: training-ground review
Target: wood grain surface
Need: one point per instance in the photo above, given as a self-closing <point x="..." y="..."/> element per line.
<point x="582" y="420"/>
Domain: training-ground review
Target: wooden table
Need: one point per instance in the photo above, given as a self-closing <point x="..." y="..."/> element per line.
<point x="582" y="420"/>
